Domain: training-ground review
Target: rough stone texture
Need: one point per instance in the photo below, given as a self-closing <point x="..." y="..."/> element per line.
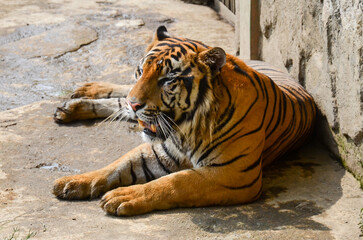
<point x="112" y="57"/>
<point x="52" y="43"/>
<point x="321" y="44"/>
<point x="306" y="195"/>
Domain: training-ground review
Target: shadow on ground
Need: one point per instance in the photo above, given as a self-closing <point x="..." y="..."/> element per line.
<point x="272" y="211"/>
<point x="306" y="195"/>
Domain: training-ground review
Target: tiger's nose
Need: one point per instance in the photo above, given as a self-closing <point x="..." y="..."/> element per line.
<point x="135" y="105"/>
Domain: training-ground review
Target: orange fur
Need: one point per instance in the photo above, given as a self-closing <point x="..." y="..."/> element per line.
<point x="214" y="122"/>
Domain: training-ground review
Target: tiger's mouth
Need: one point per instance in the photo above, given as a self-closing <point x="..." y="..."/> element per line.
<point x="148" y="128"/>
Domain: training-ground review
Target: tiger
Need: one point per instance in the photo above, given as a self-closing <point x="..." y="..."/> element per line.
<point x="211" y="123"/>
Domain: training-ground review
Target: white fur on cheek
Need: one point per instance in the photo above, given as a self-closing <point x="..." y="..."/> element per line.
<point x="145" y="137"/>
<point x="131" y="112"/>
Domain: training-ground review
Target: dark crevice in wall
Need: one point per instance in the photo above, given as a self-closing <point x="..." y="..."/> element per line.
<point x="361" y="77"/>
<point x="333" y="82"/>
<point x="288" y="64"/>
<point x="357" y="140"/>
<point x="323" y="132"/>
<point x="302" y="70"/>
<point x="267" y="31"/>
<point x="332" y="29"/>
<point x="304" y="58"/>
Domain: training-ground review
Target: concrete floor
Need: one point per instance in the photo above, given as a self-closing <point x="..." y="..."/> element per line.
<point x="49" y="47"/>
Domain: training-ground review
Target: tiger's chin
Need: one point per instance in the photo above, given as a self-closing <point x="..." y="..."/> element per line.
<point x="148" y="136"/>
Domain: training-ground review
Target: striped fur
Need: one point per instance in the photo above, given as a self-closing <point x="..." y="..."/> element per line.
<point x="213" y="122"/>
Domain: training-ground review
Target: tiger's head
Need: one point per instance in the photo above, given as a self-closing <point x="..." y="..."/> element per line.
<point x="174" y="85"/>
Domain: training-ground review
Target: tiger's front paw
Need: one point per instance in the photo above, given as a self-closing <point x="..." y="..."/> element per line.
<point x="126" y="201"/>
<point x="83" y="186"/>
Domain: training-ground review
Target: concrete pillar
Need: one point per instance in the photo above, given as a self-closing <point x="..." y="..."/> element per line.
<point x="248" y="29"/>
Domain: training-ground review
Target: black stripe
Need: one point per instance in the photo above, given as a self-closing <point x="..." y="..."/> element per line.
<point x="188" y="83"/>
<point x="119" y="103"/>
<point x="228" y="162"/>
<point x="151" y="58"/>
<point x="168" y="63"/>
<point x="200" y="43"/>
<point x="280" y="140"/>
<point x="148" y="174"/>
<point x="94" y="109"/>
<point x="165" y="103"/>
<point x="109" y="94"/>
<point x="169" y="40"/>
<point x="176" y="70"/>
<point x="228" y="112"/>
<point x="195" y="45"/>
<point x="165" y="44"/>
<point x="174" y="57"/>
<point x="246" y="185"/>
<point x="176" y="161"/>
<point x="133" y="175"/>
<point x="120" y="178"/>
<point x="259" y="83"/>
<point x="162" y="81"/>
<point x="186" y="71"/>
<point x="203" y="87"/>
<point x="196" y="149"/>
<point x="178" y="39"/>
<point x="263" y="118"/>
<point x="231" y="111"/>
<point x="279" y="115"/>
<point x="182" y="49"/>
<point x="253" y="165"/>
<point x="257" y="195"/>
<point x="159" y="161"/>
<point x="239" y="70"/>
<point x="274" y="107"/>
<point x="206" y="153"/>
<point x="190" y="47"/>
<point x="284" y="102"/>
<point x="302" y="108"/>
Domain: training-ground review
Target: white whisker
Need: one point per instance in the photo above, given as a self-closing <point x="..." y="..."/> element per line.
<point x="120" y="114"/>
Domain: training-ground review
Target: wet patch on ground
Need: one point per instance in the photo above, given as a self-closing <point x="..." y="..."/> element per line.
<point x="56" y="167"/>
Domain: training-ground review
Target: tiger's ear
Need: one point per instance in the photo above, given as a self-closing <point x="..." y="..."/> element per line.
<point x="162" y="33"/>
<point x="215" y="58"/>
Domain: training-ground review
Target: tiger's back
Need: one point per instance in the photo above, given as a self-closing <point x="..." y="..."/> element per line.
<point x="294" y="113"/>
<point x="213" y="122"/>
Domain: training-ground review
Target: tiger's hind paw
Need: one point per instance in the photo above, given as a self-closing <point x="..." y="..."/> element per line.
<point x="66" y="113"/>
<point x="94" y="90"/>
<point x="62" y="115"/>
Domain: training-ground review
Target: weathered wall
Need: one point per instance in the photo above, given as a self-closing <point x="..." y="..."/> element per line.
<point x="320" y="43"/>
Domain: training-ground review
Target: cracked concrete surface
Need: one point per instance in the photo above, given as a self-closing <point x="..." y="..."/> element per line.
<point x="306" y="195"/>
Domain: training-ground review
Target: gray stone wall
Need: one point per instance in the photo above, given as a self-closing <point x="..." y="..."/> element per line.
<point x="320" y="43"/>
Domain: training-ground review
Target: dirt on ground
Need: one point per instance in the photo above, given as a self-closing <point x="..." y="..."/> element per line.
<point x="48" y="48"/>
